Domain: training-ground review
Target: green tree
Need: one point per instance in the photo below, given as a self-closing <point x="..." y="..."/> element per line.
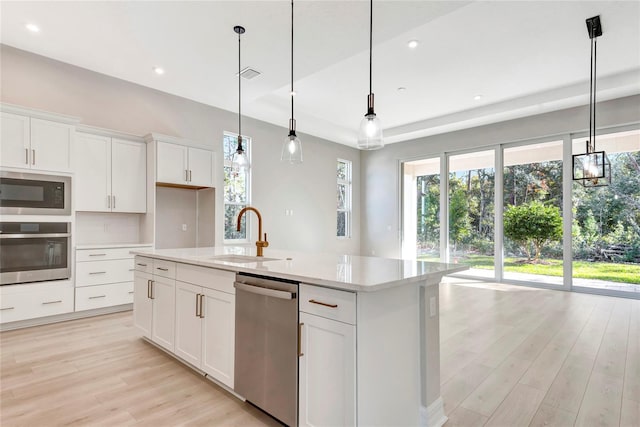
<point x="533" y="224"/>
<point x="459" y="220"/>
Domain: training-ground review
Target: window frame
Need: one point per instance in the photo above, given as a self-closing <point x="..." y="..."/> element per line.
<point x="348" y="210"/>
<point x="246" y="140"/>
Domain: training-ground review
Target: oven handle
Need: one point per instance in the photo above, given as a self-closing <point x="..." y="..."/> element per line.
<point x="33" y="236"/>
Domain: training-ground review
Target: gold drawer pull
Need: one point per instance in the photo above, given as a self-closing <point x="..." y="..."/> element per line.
<point x="312" y="301"/>
<point x="98" y="296"/>
<point x="52" y="302"/>
<point x="141" y="264"/>
<point x="7" y="308"/>
<point x="130" y="292"/>
<point x="98" y="272"/>
<point x="162" y="269"/>
<point x="97" y="254"/>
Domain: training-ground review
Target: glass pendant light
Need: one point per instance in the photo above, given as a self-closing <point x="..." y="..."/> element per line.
<point x="292" y="146"/>
<point x="239" y="161"/>
<point x="593" y="168"/>
<point x="370" y="133"/>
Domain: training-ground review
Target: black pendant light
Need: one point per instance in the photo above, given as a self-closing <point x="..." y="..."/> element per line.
<point x="292" y="146"/>
<point x="370" y="133"/>
<point x="240" y="161"/>
<point x="592" y="169"/>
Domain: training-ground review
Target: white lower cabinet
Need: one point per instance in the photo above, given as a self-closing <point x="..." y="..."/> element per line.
<point x="92" y="297"/>
<point x="205" y="330"/>
<point x="154" y="304"/>
<point x="163" y="296"/>
<point x="33" y="300"/>
<point x="327" y="364"/>
<point x="142" y="302"/>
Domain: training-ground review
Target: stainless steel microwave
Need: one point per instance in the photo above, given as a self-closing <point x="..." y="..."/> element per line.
<point x="34" y="194"/>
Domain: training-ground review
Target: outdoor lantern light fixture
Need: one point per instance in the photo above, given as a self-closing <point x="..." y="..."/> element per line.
<point x="370" y="133"/>
<point x="292" y="146"/>
<point x="592" y="169"/>
<point x="240" y="161"/>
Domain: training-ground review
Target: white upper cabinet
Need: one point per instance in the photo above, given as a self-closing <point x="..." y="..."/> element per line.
<point x="93" y="172"/>
<point x="182" y="165"/>
<point x="32" y="143"/>
<point x="128" y="176"/>
<point x="201" y="166"/>
<point x="110" y="174"/>
<point x="15" y="142"/>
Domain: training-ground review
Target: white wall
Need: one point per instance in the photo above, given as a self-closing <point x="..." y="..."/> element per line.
<point x="380" y="222"/>
<point x="309" y="189"/>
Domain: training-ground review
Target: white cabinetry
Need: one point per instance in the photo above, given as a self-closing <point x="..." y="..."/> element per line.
<point x="110" y="174"/>
<point x="104" y="277"/>
<point x="205" y="320"/>
<point x="327" y="365"/>
<point x="182" y="165"/>
<point x="154" y="301"/>
<point x="33" y="300"/>
<point x="33" y="143"/>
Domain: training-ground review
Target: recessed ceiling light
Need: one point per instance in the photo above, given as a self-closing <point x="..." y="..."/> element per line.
<point x="477" y="97"/>
<point x="32" y="27"/>
<point x="402" y="89"/>
<point x="413" y="44"/>
<point x="158" y="70"/>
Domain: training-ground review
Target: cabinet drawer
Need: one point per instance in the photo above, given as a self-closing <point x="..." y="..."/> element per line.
<point x="211" y="278"/>
<point x="103" y="272"/>
<point x="144" y="264"/>
<point x="90" y="297"/>
<point x="36" y="303"/>
<point x="329" y="303"/>
<point x="83" y="255"/>
<point x="164" y="268"/>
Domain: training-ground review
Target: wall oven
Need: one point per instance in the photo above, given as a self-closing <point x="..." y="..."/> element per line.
<point x="34" y="251"/>
<point x="34" y="194"/>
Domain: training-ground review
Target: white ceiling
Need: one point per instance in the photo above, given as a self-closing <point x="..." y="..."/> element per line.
<point x="523" y="57"/>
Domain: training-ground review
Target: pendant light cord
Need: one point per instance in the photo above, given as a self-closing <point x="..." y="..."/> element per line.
<point x="291" y="61"/>
<point x="370" y="45"/>
<point x="239" y="97"/>
<point x="595" y="61"/>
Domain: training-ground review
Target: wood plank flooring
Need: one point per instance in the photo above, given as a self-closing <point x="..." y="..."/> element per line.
<point x="511" y="356"/>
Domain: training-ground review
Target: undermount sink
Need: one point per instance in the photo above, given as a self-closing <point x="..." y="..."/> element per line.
<point x="242" y="259"/>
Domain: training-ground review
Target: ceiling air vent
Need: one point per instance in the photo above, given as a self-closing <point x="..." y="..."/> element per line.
<point x="249" y="73"/>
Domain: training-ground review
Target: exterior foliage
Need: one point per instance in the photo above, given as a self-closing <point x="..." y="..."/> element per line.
<point x="533" y="225"/>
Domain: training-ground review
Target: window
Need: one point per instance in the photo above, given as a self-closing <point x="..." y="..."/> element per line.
<point x="344" y="198"/>
<point x="236" y="189"/>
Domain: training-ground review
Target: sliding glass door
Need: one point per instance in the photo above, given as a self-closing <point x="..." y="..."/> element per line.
<point x="471" y="212"/>
<point x="532" y="215"/>
<point x="606" y="223"/>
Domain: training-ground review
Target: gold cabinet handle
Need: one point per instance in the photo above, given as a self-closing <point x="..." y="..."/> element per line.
<point x="97" y="272"/>
<point x="201" y="306"/>
<point x="109" y="202"/>
<point x="33" y="157"/>
<point x="300" y="353"/>
<point x="190" y="178"/>
<point x="152" y="296"/>
<point x="197" y="305"/>
<point x="26" y="155"/>
<point x="141" y="264"/>
<point x="162" y="269"/>
<point x="114" y="201"/>
<point x="312" y="301"/>
<point x="130" y="292"/>
<point x="97" y="254"/>
<point x="52" y="302"/>
<point x="7" y="308"/>
<point x="98" y="296"/>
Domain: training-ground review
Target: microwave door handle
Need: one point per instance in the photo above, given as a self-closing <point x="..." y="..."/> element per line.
<point x="33" y="236"/>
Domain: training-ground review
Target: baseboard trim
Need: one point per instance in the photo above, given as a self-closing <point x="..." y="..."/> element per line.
<point x="433" y="415"/>
<point x="38" y="321"/>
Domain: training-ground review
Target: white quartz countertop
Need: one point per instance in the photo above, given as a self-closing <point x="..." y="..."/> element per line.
<point x="113" y="245"/>
<point x="344" y="272"/>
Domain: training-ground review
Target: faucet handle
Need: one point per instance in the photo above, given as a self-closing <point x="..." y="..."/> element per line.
<point x="265" y="237"/>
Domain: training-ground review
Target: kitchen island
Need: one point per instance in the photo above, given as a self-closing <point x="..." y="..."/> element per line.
<point x="368" y="328"/>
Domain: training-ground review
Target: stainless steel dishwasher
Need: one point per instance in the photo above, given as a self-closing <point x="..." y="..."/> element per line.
<point x="266" y="349"/>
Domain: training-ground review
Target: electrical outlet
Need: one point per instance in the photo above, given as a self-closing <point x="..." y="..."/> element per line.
<point x="184" y="227"/>
<point x="432" y="306"/>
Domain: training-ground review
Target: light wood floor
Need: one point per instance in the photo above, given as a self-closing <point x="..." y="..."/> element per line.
<point x="511" y="356"/>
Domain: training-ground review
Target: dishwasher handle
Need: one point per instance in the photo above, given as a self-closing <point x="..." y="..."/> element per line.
<point x="264" y="291"/>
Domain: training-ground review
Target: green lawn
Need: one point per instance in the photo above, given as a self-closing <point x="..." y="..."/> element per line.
<point x="623" y="273"/>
